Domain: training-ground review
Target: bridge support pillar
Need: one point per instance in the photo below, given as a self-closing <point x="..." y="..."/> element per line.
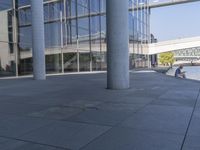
<point x="39" y="70"/>
<point x="117" y="44"/>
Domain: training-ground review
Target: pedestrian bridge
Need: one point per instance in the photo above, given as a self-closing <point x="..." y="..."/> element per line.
<point x="157" y="3"/>
<point x="173" y="45"/>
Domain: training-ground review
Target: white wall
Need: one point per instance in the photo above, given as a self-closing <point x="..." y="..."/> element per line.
<point x="4" y="46"/>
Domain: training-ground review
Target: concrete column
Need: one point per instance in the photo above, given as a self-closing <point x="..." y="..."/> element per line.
<point x="39" y="70"/>
<point x="117" y="44"/>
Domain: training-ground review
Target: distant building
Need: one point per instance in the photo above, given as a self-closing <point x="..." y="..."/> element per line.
<point x="153" y="39"/>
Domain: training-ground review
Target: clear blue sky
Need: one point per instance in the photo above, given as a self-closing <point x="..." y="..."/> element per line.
<point x="174" y="22"/>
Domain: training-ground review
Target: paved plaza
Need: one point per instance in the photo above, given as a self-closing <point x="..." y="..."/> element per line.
<point x="77" y="112"/>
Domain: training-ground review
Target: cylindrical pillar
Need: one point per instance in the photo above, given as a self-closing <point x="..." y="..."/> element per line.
<point x="117" y="44"/>
<point x="39" y="70"/>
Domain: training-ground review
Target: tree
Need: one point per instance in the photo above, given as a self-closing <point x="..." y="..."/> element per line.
<point x="167" y="58"/>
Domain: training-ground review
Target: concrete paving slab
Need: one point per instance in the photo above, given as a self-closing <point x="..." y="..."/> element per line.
<point x="46" y="99"/>
<point x="146" y="93"/>
<point x="126" y="107"/>
<point x="198" y="103"/>
<point x="192" y="143"/>
<point x="153" y="114"/>
<point x="49" y="101"/>
<point x="30" y="146"/>
<point x="17" y="126"/>
<point x="19" y="108"/>
<point x="190" y="148"/>
<point x="4" y="117"/>
<point x="101" y="117"/>
<point x="83" y="104"/>
<point x="66" y="134"/>
<point x="57" y="113"/>
<point x="180" y="94"/>
<point x="130" y="139"/>
<point x="175" y="102"/>
<point x="11" y="144"/>
<point x="194" y="129"/>
<point x="160" y="118"/>
<point x="130" y="99"/>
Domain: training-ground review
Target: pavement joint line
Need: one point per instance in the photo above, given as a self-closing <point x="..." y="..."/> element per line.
<point x="76" y="107"/>
<point x="170" y="105"/>
<point x="191" y="117"/>
<point x="29" y="103"/>
<point x="64" y="120"/>
<point x="45" y="118"/>
<point x="26" y="116"/>
<point x="56" y="74"/>
<point x="52" y="121"/>
<point x="154" y="131"/>
<point x="88" y="123"/>
<point x="27" y="141"/>
<point x="26" y="103"/>
<point x="116" y="125"/>
<point x="95" y="138"/>
<point x="151" y="103"/>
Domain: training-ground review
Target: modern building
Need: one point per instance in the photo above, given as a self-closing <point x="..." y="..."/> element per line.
<point x="75" y="36"/>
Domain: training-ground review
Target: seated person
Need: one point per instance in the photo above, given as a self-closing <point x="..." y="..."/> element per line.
<point x="179" y="73"/>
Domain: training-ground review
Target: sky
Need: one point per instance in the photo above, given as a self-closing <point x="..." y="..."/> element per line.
<point x="168" y="23"/>
<point x="178" y="21"/>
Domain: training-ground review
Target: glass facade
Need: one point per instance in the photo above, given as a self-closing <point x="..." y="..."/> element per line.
<point x="75" y="36"/>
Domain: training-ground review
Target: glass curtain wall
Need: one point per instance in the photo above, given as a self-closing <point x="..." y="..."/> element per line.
<point x="84" y="35"/>
<point x="75" y="36"/>
<point x="53" y="36"/>
<point x="139" y="32"/>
